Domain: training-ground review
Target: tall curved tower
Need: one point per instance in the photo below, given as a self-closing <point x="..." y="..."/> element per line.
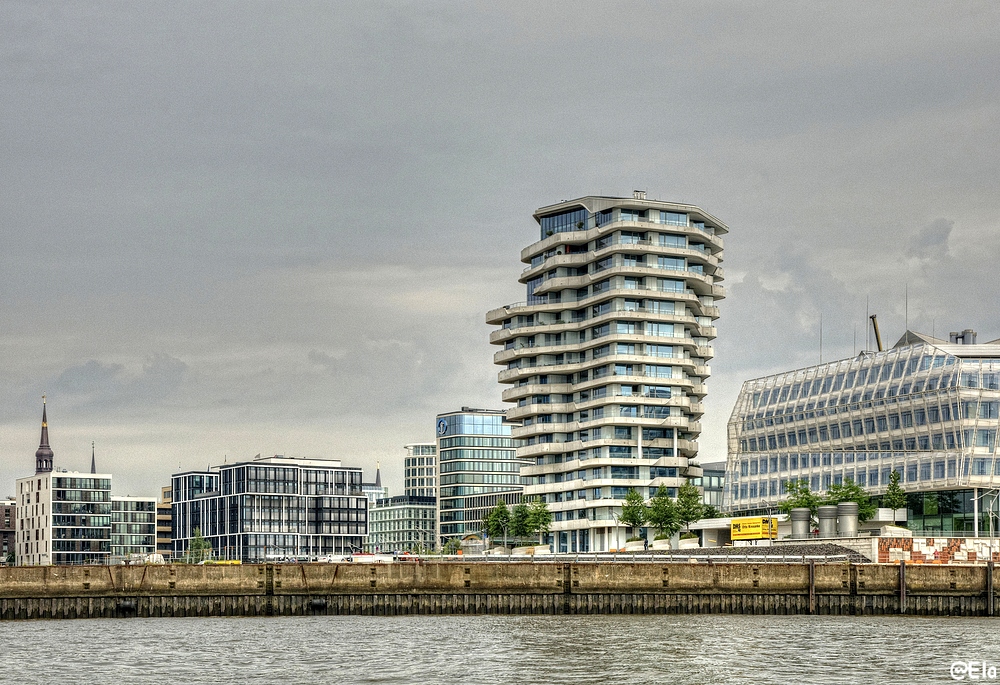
<point x="606" y="361"/>
<point x="43" y="455"/>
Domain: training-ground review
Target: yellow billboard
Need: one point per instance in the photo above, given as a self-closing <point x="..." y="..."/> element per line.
<point x="755" y="528"/>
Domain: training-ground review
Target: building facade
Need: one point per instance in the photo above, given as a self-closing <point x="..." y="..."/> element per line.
<point x="402" y="524"/>
<point x="478" y="466"/>
<point x="62" y="517"/>
<point x="164" y="534"/>
<point x="420" y="470"/>
<point x="927" y="408"/>
<point x="271" y="507"/>
<point x="133" y="526"/>
<point x="8" y="529"/>
<point x="605" y="363"/>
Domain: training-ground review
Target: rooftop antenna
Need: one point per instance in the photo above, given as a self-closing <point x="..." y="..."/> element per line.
<point x="867" y="317"/>
<point x="906" y="307"/>
<point x="821" y="337"/>
<point x="855" y="348"/>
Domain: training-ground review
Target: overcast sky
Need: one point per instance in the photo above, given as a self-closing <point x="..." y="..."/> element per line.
<point x="240" y="228"/>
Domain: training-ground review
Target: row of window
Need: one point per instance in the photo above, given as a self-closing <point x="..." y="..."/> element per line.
<point x="871" y="477"/>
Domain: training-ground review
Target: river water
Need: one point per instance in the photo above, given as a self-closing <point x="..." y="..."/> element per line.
<point x="497" y="649"/>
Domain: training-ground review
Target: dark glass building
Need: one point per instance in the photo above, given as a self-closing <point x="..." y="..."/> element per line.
<point x="271" y="507"/>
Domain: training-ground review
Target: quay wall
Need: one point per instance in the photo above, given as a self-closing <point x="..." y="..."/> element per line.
<point x="448" y="587"/>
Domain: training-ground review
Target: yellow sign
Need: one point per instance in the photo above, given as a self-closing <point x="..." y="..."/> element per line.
<point x="758" y="528"/>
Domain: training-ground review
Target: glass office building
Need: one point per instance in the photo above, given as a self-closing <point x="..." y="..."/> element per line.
<point x="478" y="467"/>
<point x="606" y="361"/>
<point x="133" y="526"/>
<point x="420" y="470"/>
<point x="271" y="507"/>
<point x="927" y="408"/>
<point x="402" y="524"/>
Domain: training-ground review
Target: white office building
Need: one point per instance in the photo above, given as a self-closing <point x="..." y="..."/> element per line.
<point x="606" y="361"/>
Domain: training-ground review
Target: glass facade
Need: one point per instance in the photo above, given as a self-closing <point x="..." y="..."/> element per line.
<point x="133" y="526"/>
<point x="271" y="507"/>
<point x="478" y="466"/>
<point x="924" y="408"/>
<point x="403" y="524"/>
<point x="420" y="470"/>
<point x="605" y="363"/>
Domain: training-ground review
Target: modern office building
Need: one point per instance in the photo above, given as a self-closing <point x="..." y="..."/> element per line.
<point x="402" y="524"/>
<point x="420" y="470"/>
<point x="133" y="526"/>
<point x="271" y="507"/>
<point x="62" y="517"/>
<point x="606" y="360"/>
<point x="164" y="534"/>
<point x="712" y="483"/>
<point x="927" y="408"/>
<point x="478" y="466"/>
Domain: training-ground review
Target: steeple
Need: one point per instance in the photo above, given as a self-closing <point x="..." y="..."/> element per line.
<point x="43" y="456"/>
<point x="93" y="458"/>
<point x="378" y="475"/>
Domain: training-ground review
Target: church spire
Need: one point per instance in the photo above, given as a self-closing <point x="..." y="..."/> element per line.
<point x="93" y="458"/>
<point x="43" y="456"/>
<point x="378" y="475"/>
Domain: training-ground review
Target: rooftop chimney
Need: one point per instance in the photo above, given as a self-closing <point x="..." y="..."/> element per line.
<point x="966" y="337"/>
<point x="638" y="194"/>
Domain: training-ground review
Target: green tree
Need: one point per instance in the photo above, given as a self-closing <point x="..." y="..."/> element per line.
<point x="894" y="497"/>
<point x="633" y="510"/>
<point x="520" y="521"/>
<point x="800" y="496"/>
<point x="498" y="521"/>
<point x="849" y="491"/>
<point x="711" y="512"/>
<point x="199" y="549"/>
<point x="452" y="546"/>
<point x="690" y="505"/>
<point x="662" y="514"/>
<point x="540" y="518"/>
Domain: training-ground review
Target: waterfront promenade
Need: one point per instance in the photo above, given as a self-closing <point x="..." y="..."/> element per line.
<point x="556" y="586"/>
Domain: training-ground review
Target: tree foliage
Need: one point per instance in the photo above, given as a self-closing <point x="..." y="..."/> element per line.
<point x="520" y="521"/>
<point x="799" y="497"/>
<point x="711" y="512"/>
<point x="540" y="518"/>
<point x="452" y="546"/>
<point x="662" y="514"/>
<point x="633" y="510"/>
<point x="690" y="507"/>
<point x="849" y="491"/>
<point x="894" y="497"/>
<point x="199" y="549"/>
<point x="497" y="523"/>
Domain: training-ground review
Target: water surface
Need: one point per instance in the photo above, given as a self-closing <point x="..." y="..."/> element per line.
<point x="497" y="649"/>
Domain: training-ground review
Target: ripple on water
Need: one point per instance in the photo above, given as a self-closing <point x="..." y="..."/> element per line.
<point x="497" y="649"/>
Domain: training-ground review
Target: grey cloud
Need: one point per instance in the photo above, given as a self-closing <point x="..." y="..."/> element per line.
<point x="932" y="240"/>
<point x="313" y="205"/>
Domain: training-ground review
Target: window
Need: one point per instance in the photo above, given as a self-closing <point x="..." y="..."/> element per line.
<point x="670" y="263"/>
<point x="673" y="218"/>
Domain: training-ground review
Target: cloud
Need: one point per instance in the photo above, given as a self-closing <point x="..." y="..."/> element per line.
<point x="279" y="229"/>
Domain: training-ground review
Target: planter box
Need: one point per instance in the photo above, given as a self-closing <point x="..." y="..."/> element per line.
<point x="635" y="546"/>
<point x="690" y="543"/>
<point x="661" y="544"/>
<point x="531" y="550"/>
